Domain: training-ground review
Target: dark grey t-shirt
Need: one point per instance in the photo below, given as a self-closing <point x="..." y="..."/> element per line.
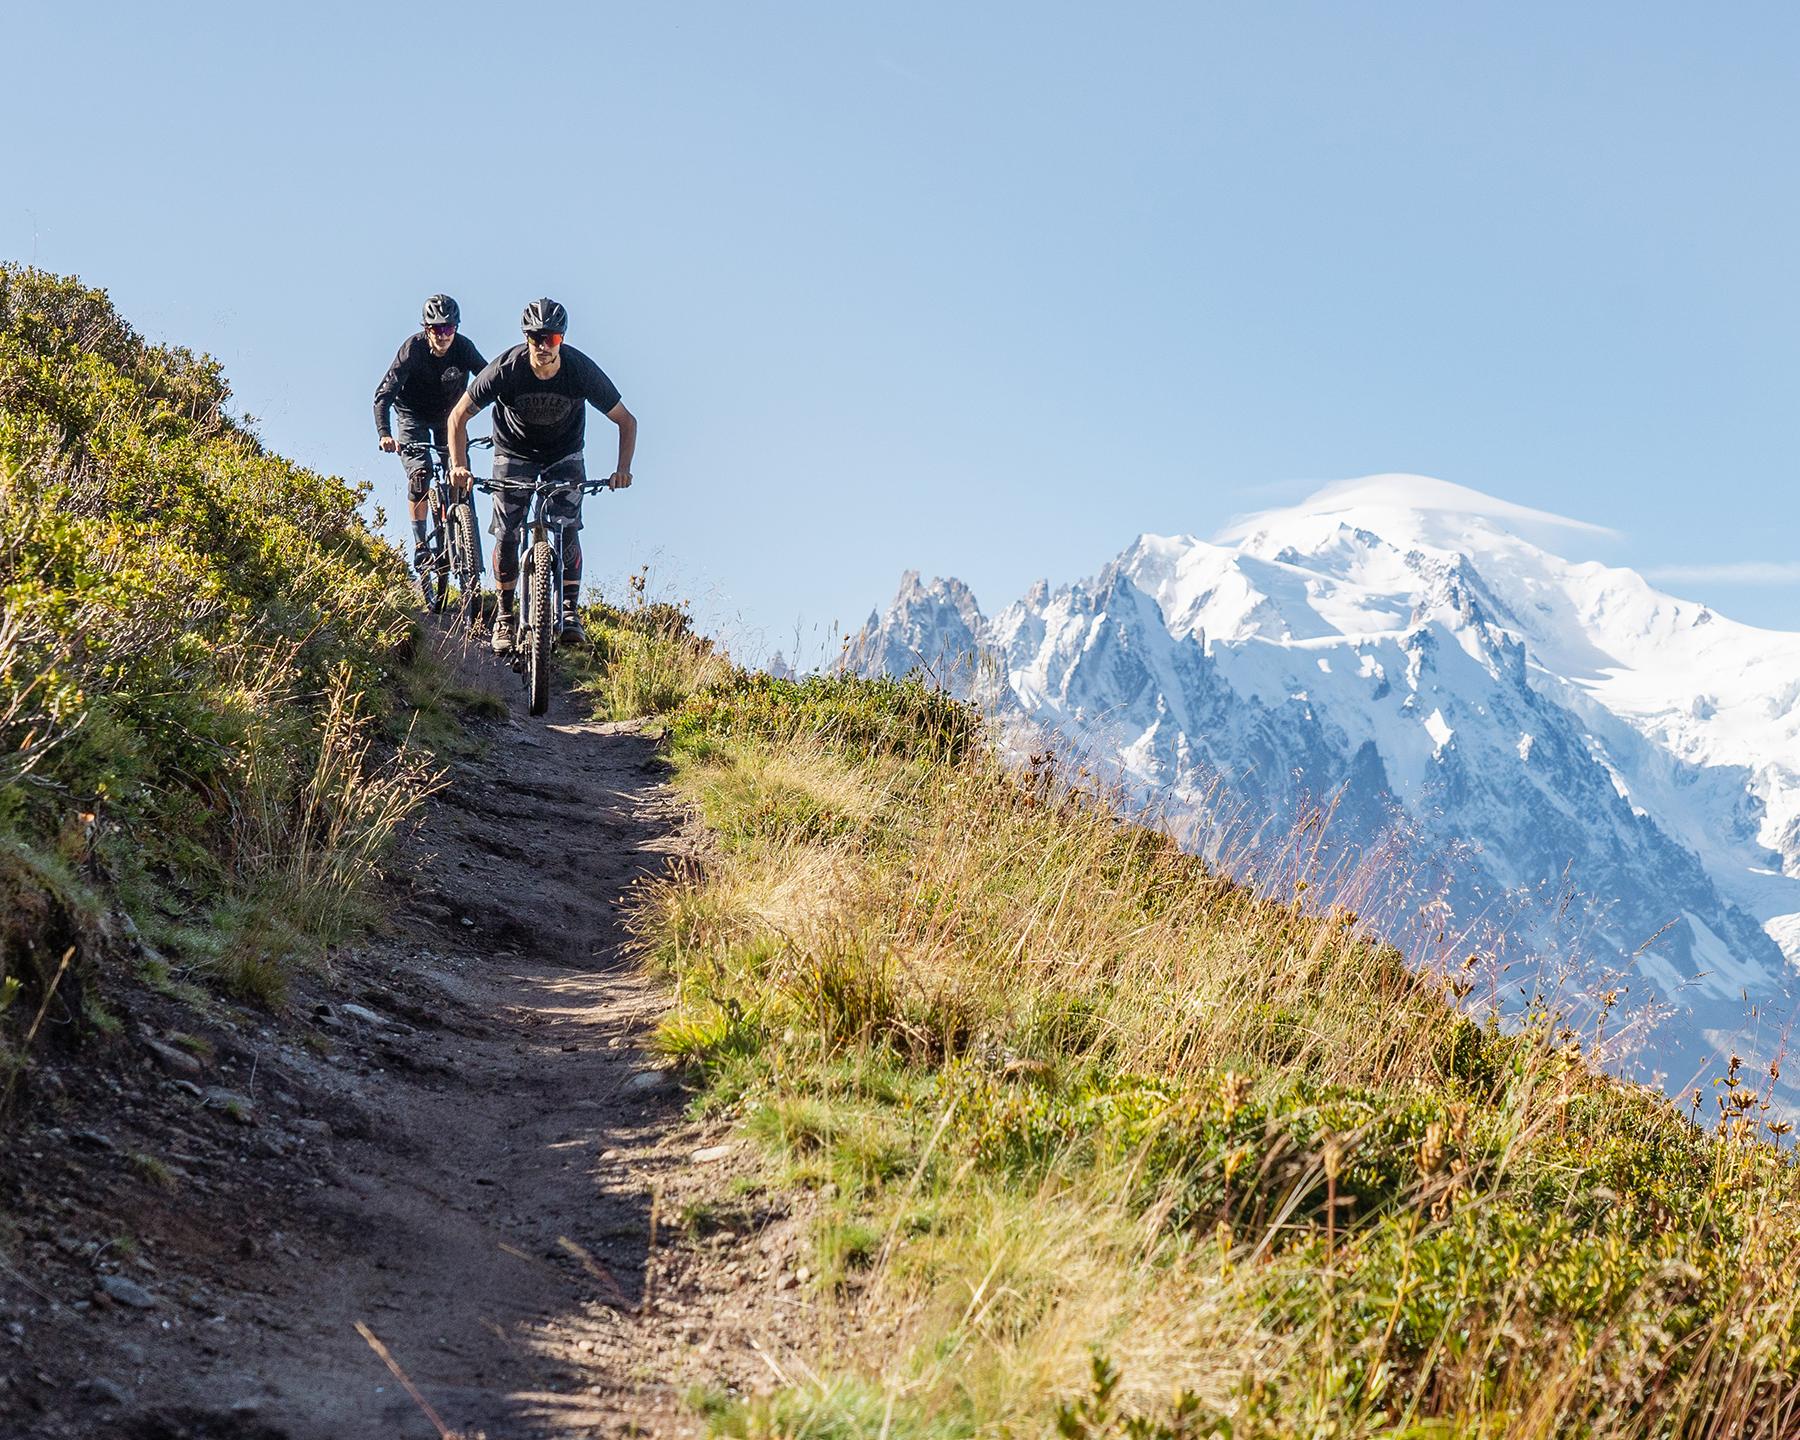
<point x="542" y="420"/>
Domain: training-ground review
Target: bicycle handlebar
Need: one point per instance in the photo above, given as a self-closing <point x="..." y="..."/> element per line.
<point x="533" y="487"/>
<point x="476" y="442"/>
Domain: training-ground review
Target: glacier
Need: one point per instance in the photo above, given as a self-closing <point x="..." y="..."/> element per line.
<point x="1489" y="745"/>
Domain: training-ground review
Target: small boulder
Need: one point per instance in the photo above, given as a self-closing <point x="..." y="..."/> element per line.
<point x="710" y="1153"/>
<point x="109" y="1392"/>
<point x="127" y="1292"/>
<point x="173" y="1061"/>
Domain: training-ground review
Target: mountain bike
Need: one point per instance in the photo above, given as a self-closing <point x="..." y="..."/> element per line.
<point x="453" y="542"/>
<point x="540" y="583"/>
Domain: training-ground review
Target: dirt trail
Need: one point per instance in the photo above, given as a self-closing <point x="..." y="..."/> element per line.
<point x="463" y="1145"/>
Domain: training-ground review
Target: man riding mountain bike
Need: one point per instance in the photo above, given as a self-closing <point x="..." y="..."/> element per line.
<point x="430" y="372"/>
<point x="540" y="392"/>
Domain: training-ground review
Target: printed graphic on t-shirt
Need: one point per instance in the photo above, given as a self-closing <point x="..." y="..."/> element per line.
<point x="452" y="381"/>
<point x="542" y="409"/>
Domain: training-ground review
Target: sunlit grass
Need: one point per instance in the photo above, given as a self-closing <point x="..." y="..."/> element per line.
<point x="1061" y="1089"/>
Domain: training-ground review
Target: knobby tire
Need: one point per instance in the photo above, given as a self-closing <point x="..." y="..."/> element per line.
<point x="462" y="556"/>
<point x="541" y="627"/>
<point x="432" y="580"/>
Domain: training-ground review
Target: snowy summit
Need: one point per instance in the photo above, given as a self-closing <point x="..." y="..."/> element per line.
<point x="1418" y="656"/>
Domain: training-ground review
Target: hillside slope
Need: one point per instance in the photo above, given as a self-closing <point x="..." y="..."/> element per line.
<point x="1018" y="1119"/>
<point x="1112" y="1145"/>
<point x="200" y="644"/>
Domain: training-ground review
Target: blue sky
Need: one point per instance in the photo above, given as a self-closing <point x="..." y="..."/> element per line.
<point x="979" y="289"/>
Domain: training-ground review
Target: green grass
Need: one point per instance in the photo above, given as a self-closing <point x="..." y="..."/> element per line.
<point x="642" y="658"/>
<point x="1103" y="1145"/>
<point x="153" y="1171"/>
<point x="209" y="675"/>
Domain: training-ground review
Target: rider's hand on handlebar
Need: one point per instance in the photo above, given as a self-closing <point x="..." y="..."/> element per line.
<point x="461" y="477"/>
<point x="619" y="479"/>
<point x="389" y="445"/>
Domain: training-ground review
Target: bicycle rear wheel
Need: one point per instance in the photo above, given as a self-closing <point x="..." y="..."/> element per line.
<point x="462" y="558"/>
<point x="540" y="627"/>
<point x="433" y="578"/>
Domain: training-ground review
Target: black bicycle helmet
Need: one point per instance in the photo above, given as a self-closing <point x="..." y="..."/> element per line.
<point x="441" y="310"/>
<point x="544" y="314"/>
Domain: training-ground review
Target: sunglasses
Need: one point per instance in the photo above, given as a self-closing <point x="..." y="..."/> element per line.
<point x="547" y="339"/>
<point x="441" y="331"/>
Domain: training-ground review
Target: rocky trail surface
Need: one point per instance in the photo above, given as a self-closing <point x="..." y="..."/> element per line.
<point x="454" y="1151"/>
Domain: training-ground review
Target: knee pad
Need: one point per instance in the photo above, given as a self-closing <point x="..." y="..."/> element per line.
<point x="506" y="558"/>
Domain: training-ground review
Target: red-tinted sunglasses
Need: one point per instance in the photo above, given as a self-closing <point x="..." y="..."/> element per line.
<point x="544" y="337"/>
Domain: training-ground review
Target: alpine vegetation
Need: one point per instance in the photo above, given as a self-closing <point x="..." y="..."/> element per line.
<point x="1095" y="1141"/>
<point x="197" y="643"/>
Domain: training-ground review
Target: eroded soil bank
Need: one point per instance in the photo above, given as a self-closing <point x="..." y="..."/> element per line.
<point x="458" y="1142"/>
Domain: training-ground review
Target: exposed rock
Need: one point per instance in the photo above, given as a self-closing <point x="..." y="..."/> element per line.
<point x="109" y="1391"/>
<point x="647" y="1080"/>
<point x="172" y="1060"/>
<point x="127" y="1292"/>
<point x="710" y="1153"/>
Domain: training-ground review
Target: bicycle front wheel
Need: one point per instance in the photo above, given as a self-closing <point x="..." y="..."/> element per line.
<point x="462" y="557"/>
<point x="541" y="627"/>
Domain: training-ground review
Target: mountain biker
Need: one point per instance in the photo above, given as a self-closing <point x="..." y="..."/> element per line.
<point x="540" y="392"/>
<point x="431" y="369"/>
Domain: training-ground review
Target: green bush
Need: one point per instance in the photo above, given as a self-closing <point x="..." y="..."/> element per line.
<point x="196" y="636"/>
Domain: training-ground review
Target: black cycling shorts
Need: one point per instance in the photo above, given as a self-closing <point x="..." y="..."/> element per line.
<point x="412" y="429"/>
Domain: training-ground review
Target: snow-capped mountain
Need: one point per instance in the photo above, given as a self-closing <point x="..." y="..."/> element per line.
<point x="1410" y="656"/>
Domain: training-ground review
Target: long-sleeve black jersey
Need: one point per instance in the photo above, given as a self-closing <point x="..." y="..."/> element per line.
<point x="426" y="384"/>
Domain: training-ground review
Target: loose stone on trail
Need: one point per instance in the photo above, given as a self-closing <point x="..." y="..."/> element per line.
<point x="127" y="1292"/>
<point x="172" y="1060"/>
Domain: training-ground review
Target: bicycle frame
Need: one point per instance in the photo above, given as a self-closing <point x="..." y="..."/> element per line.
<point x="443" y="494"/>
<point x="537" y="529"/>
<point x="539" y="602"/>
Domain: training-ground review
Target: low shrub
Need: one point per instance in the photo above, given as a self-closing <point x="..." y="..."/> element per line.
<point x="197" y="643"/>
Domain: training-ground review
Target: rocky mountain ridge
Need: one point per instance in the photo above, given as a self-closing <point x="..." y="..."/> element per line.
<point x="1491" y="742"/>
